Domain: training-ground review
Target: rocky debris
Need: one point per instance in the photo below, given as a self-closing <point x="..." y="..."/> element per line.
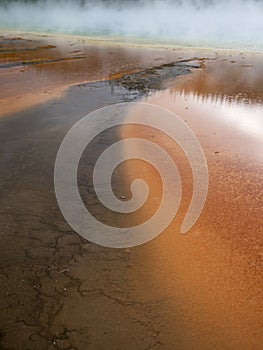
<point x="155" y="78"/>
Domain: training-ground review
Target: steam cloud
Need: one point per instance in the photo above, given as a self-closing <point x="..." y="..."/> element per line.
<point x="229" y="24"/>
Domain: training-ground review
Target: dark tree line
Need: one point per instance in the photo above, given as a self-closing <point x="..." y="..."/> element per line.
<point x="113" y="2"/>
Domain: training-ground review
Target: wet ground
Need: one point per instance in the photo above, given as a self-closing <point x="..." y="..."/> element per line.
<point x="35" y="67"/>
<point x="202" y="290"/>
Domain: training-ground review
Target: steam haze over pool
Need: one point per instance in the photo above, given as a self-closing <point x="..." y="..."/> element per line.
<point x="234" y="24"/>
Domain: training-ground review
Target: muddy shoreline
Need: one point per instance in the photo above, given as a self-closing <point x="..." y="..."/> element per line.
<point x="200" y="291"/>
<point x="37" y="67"/>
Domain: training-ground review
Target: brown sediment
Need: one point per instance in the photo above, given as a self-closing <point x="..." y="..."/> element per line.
<point x="35" y="65"/>
<point x="202" y="290"/>
<point x="212" y="276"/>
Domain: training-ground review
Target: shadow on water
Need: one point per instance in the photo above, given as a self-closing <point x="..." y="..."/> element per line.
<point x="201" y="290"/>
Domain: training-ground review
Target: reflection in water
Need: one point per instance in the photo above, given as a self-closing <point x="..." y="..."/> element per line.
<point x="231" y="127"/>
<point x="34" y="68"/>
<point x="247" y="118"/>
<point x="223" y="103"/>
<point x="233" y="78"/>
<point x="202" y="290"/>
<point x="233" y="111"/>
<point x="211" y="278"/>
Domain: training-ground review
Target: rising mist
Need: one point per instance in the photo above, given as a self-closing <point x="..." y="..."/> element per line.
<point x="233" y="23"/>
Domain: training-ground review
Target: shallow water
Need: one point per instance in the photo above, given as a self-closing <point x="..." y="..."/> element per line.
<point x="202" y="290"/>
<point x="215" y="267"/>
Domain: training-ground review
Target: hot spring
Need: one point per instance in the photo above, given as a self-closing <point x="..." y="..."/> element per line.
<point x="232" y="24"/>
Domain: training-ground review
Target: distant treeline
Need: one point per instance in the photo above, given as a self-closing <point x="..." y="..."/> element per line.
<point x="76" y="2"/>
<point x="119" y="2"/>
<point x="80" y="2"/>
